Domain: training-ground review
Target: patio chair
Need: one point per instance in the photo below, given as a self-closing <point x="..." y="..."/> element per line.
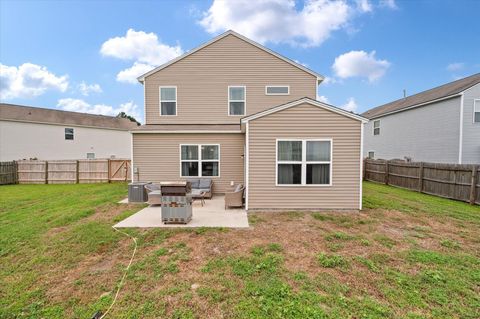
<point x="201" y="187"/>
<point x="154" y="194"/>
<point x="235" y="198"/>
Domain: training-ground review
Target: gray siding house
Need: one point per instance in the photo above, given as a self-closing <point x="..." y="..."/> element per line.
<point x="440" y="125"/>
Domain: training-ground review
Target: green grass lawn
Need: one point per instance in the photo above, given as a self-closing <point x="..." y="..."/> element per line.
<point x="406" y="255"/>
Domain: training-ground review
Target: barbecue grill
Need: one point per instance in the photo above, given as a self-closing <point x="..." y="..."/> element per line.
<point x="176" y="202"/>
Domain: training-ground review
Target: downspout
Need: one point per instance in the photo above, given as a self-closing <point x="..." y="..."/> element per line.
<point x="361" y="165"/>
<point x="247" y="160"/>
<point x="460" y="142"/>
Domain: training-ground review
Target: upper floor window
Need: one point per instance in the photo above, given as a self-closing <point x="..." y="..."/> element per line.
<point x="376" y="127"/>
<point x="200" y="160"/>
<point x="476" y="111"/>
<point x="236" y="100"/>
<point x="168" y="100"/>
<point x="304" y="162"/>
<point x="277" y="90"/>
<point x="69" y="133"/>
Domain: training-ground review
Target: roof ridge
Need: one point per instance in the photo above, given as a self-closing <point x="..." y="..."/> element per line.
<point x="65" y="111"/>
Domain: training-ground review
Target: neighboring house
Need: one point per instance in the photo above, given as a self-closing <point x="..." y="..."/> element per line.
<point x="439" y="125"/>
<point x="46" y="134"/>
<point x="237" y="112"/>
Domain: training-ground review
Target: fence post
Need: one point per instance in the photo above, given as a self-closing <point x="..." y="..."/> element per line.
<point x="473" y="186"/>
<point x="420" y="178"/>
<point x="77" y="169"/>
<point x="108" y="170"/>
<point x="46" y="172"/>
<point x="364" y="177"/>
<point x="386" y="172"/>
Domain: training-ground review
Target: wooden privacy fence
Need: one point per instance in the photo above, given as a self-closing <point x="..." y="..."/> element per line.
<point x="65" y="171"/>
<point x="460" y="182"/>
<point x="8" y="173"/>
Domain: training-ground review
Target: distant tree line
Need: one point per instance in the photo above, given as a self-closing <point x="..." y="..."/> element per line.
<point x="126" y="116"/>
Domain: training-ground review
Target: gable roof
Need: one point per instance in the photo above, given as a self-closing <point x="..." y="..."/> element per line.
<point x="221" y="36"/>
<point x="300" y="101"/>
<point x="20" y="113"/>
<point x="442" y="92"/>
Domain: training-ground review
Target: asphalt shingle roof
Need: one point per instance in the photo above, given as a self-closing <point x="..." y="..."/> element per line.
<point x="40" y="115"/>
<point x="439" y="92"/>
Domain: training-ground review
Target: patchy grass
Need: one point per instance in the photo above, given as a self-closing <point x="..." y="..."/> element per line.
<point x="406" y="255"/>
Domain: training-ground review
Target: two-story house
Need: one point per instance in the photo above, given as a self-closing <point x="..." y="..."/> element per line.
<point x="237" y="112"/>
<point x="439" y="125"/>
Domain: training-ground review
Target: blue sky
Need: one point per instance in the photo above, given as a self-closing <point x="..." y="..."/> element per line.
<point x="81" y="56"/>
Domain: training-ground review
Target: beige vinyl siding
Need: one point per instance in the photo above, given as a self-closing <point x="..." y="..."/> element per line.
<point x="157" y="157"/>
<point x="303" y="122"/>
<point x="202" y="81"/>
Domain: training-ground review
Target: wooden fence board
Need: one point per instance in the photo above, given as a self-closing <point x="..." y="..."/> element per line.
<point x="65" y="171"/>
<point x="8" y="173"/>
<point x="32" y="172"/>
<point x="446" y="180"/>
<point x="93" y="171"/>
<point x="62" y="172"/>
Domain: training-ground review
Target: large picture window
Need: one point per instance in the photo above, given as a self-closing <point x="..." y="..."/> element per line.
<point x="168" y="100"/>
<point x="304" y="162"/>
<point x="236" y="100"/>
<point x="200" y="160"/>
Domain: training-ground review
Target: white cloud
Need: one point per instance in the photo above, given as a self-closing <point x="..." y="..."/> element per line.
<point x="141" y="47"/>
<point x="279" y="21"/>
<point x="330" y="80"/>
<point x="322" y="98"/>
<point x="389" y="4"/>
<point x="364" y="5"/>
<point x="85" y="89"/>
<point x="351" y="105"/>
<point x="360" y="64"/>
<point x="131" y="74"/>
<point x="78" y="105"/>
<point x="29" y="80"/>
<point x="457" y="66"/>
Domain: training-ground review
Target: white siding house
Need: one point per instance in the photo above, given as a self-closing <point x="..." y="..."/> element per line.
<point x="46" y="134"/>
<point x="439" y="125"/>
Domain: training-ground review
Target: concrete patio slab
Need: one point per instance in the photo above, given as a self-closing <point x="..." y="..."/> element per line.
<point x="212" y="214"/>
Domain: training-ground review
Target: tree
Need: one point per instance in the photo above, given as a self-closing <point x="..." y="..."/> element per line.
<point x="126" y="116"/>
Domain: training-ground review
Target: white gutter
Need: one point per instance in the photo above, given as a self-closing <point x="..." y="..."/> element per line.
<point x="247" y="160"/>
<point x="361" y="166"/>
<point x="460" y="142"/>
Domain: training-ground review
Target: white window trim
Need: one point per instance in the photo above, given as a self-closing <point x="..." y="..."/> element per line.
<point x="160" y="99"/>
<point x="244" y="99"/>
<point x="200" y="160"/>
<point x="277" y="86"/>
<point x="379" y="130"/>
<point x="475" y="102"/>
<point x="304" y="162"/>
<point x="368" y="154"/>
